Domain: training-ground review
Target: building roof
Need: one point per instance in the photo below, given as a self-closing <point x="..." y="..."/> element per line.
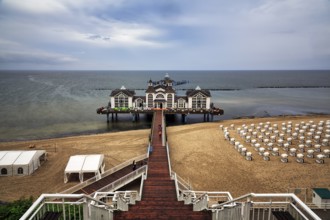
<point x="139" y="97"/>
<point x="124" y="90"/>
<point x="181" y="97"/>
<point x="192" y="92"/>
<point x="324" y="193"/>
<point x="150" y="89"/>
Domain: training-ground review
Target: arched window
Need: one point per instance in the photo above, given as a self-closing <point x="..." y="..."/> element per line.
<point x="159" y="96"/>
<point x="169" y="100"/>
<point x="139" y="103"/>
<point x="4" y="171"/>
<point x="121" y="100"/>
<point x="150" y="101"/>
<point x="181" y="103"/>
<point x="20" y="170"/>
<point x="198" y="101"/>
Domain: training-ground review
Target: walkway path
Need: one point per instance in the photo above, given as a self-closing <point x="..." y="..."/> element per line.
<point x="159" y="199"/>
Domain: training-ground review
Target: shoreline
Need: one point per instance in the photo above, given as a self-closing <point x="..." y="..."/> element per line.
<point x="196" y="150"/>
<point x="94" y="132"/>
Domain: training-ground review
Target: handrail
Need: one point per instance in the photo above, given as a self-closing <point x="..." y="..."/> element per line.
<point x="105" y="174"/>
<point x="274" y="195"/>
<point x="176" y="187"/>
<point x="151" y="130"/>
<point x="54" y="196"/>
<point x="163" y="130"/>
<point x="168" y="159"/>
<point x="137" y="173"/>
<point x="300" y="212"/>
<point x="182" y="182"/>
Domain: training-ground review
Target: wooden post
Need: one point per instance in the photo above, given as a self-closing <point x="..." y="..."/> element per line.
<point x="183" y="118"/>
<point x="108" y="118"/>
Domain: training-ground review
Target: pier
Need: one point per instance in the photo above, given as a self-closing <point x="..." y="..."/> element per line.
<point x="160" y="95"/>
<point x="112" y="113"/>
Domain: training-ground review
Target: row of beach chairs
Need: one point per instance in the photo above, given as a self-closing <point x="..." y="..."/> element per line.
<point x="267" y="138"/>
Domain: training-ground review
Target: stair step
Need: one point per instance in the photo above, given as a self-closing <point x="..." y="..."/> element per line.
<point x="159" y="200"/>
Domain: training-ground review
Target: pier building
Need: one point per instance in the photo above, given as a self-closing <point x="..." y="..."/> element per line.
<point x="161" y="95"/>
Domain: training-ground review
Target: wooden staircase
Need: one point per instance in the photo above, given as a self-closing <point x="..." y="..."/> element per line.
<point x="282" y="215"/>
<point x="51" y="215"/>
<point x="159" y="200"/>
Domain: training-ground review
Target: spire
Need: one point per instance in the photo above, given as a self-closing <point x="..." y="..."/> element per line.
<point x="150" y="83"/>
<point x="198" y="88"/>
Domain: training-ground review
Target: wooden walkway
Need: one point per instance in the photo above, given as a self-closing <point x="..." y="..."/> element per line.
<point x="159" y="199"/>
<point x="106" y="180"/>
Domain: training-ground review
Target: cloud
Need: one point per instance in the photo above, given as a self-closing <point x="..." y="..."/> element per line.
<point x="256" y="34"/>
<point x="34" y="57"/>
<point x="34" y="6"/>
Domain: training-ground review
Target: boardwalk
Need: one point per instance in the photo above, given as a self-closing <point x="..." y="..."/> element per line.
<point x="105" y="181"/>
<point x="159" y="199"/>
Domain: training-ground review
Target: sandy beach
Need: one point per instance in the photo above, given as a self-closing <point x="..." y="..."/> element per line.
<point x="49" y="178"/>
<point x="199" y="154"/>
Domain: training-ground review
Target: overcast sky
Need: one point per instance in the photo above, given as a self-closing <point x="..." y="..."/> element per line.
<point x="164" y="34"/>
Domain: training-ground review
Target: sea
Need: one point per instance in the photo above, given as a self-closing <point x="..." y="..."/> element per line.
<point x="49" y="104"/>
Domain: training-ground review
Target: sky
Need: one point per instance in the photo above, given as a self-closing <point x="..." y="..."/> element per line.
<point x="165" y="34"/>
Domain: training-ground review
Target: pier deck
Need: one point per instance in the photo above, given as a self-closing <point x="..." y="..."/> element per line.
<point x="105" y="110"/>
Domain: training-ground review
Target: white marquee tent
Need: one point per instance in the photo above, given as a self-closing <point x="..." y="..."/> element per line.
<point x="81" y="164"/>
<point x="20" y="162"/>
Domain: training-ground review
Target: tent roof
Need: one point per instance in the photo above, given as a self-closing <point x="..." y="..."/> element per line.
<point x="2" y="153"/>
<point x="25" y="157"/>
<point x="84" y="163"/>
<point x="18" y="157"/>
<point x="92" y="162"/>
<point x="10" y="157"/>
<point x="75" y="163"/>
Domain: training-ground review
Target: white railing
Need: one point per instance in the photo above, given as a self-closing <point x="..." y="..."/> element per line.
<point x="183" y="184"/>
<point x="105" y="174"/>
<point x="201" y="203"/>
<point x="268" y="203"/>
<point x="177" y="190"/>
<point x="63" y="202"/>
<point x="163" y="129"/>
<point x="168" y="159"/>
<point x="124" y="180"/>
<point x="119" y="200"/>
<point x="212" y="198"/>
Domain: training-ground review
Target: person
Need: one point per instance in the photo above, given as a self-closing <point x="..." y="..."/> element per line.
<point x="134" y="165"/>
